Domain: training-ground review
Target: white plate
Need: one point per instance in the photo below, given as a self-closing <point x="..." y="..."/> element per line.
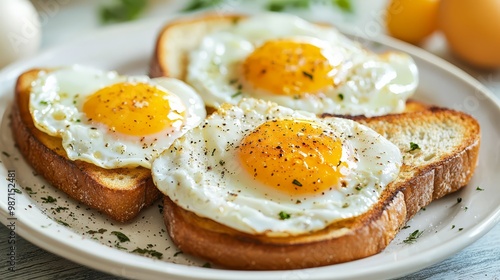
<point x="448" y="226"/>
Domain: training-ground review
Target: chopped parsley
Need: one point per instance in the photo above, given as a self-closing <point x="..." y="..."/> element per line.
<point x="413" y="237"/>
<point x="48" y="199"/>
<point x="283" y="215"/>
<point x="460" y="229"/>
<point x="62" y="223"/>
<point x="297" y="183"/>
<point x="453" y="226"/>
<point x="152" y="253"/>
<point x="30" y="190"/>
<point x="101" y="231"/>
<point x="341" y="96"/>
<point x="344" y="5"/>
<point x="459" y="199"/>
<point x="122" y="237"/>
<point x="59" y="209"/>
<point x="5" y="154"/>
<point x="479" y="189"/>
<point x="201" y="4"/>
<point x="238" y="93"/>
<point x="122" y="10"/>
<point x="207" y="265"/>
<point x="17" y="191"/>
<point x="44" y="102"/>
<point x="413" y="147"/>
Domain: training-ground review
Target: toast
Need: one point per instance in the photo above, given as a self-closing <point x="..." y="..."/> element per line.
<point x="447" y="154"/>
<point x="170" y="56"/>
<point x="119" y="193"/>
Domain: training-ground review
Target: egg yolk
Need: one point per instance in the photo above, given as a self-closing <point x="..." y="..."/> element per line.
<point x="293" y="156"/>
<point x="290" y="68"/>
<point x="137" y="109"/>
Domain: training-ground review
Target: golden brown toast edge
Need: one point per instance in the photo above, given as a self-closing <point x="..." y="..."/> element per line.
<point x="184" y="35"/>
<point x="348" y="240"/>
<point x="119" y="193"/>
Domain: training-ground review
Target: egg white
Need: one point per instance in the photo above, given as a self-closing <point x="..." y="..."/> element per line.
<point x="201" y="172"/>
<point x="367" y="83"/>
<point x="56" y="102"/>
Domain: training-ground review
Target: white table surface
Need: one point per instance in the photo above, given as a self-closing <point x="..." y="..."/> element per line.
<point x="481" y="260"/>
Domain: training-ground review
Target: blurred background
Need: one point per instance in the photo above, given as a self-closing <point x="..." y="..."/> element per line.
<point x="466" y="33"/>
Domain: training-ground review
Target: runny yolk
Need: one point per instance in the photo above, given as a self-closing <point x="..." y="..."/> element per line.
<point x="137" y="109"/>
<point x="292" y="156"/>
<point x="291" y="68"/>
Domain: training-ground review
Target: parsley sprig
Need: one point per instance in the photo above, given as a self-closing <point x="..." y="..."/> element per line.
<point x="122" y="10"/>
<point x="272" y="5"/>
<point x="413" y="237"/>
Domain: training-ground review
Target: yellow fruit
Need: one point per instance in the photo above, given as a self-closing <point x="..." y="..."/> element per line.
<point x="472" y="29"/>
<point x="412" y="20"/>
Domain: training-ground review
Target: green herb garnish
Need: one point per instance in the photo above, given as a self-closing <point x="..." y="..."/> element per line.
<point x="413" y="237"/>
<point x="280" y="5"/>
<point x="122" y="10"/>
<point x="341" y="96"/>
<point x="122" y="237"/>
<point x="283" y="215"/>
<point x="479" y="189"/>
<point x="101" y="231"/>
<point x="344" y="5"/>
<point x="236" y="94"/>
<point x="459" y="200"/>
<point x="62" y="223"/>
<point x="59" y="209"/>
<point x="150" y="252"/>
<point x="207" y="265"/>
<point x="413" y="147"/>
<point x="48" y="199"/>
<point x="201" y="4"/>
<point x="30" y="191"/>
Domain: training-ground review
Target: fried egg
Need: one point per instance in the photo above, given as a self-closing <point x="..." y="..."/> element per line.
<point x="297" y="64"/>
<point x="112" y="120"/>
<point x="262" y="168"/>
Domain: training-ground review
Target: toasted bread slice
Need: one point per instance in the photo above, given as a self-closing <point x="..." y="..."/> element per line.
<point x="447" y="154"/>
<point x="178" y="38"/>
<point x="120" y="193"/>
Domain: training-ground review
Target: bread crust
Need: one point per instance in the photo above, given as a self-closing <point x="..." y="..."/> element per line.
<point x="119" y="193"/>
<point x="178" y="38"/>
<point x="348" y="240"/>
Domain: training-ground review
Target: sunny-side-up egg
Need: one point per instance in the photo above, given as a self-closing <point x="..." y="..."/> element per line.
<point x="262" y="168"/>
<point x="112" y="120"/>
<point x="292" y="62"/>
